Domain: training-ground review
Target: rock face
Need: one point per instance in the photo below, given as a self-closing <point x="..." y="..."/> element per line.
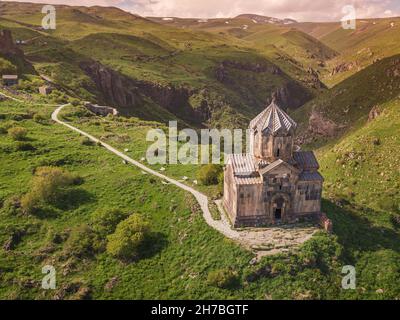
<point x="374" y="113"/>
<point x="321" y="126"/>
<point x="123" y="92"/>
<point x="292" y="95"/>
<point x="394" y="70"/>
<point x="343" y="67"/>
<point x="116" y="89"/>
<point x="222" y="71"/>
<point x="101" y="110"/>
<point x="313" y="81"/>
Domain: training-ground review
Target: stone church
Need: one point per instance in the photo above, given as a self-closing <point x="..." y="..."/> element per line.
<point x="273" y="184"/>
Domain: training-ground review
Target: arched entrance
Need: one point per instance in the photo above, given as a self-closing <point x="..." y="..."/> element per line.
<point x="280" y="206"/>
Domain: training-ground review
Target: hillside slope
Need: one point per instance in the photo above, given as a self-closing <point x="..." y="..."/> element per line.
<point x="202" y="77"/>
<point x="371" y="41"/>
<point x="347" y="105"/>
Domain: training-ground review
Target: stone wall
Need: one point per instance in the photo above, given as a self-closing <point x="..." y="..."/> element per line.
<point x="267" y="147"/>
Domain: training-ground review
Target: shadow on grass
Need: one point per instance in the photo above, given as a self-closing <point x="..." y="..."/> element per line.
<point x="71" y="199"/>
<point x="356" y="233"/>
<point x="155" y="242"/>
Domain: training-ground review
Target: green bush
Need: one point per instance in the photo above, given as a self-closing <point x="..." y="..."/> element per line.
<point x="105" y="221"/>
<point x="74" y="102"/>
<point x="12" y="205"/>
<point x="209" y="174"/>
<point x="223" y="278"/>
<point x="3" y="130"/>
<point x="87" y="142"/>
<point x="128" y="238"/>
<point x="39" y="118"/>
<point x="82" y="243"/>
<point x="18" y="133"/>
<point x="47" y="185"/>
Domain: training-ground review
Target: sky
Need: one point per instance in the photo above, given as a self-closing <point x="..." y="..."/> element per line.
<point x="301" y="10"/>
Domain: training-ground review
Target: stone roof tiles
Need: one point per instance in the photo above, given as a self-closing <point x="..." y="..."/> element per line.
<point x="242" y="164"/>
<point x="310" y="176"/>
<point x="273" y="119"/>
<point x="306" y="160"/>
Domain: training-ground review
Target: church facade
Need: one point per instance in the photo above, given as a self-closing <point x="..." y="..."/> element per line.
<point x="273" y="184"/>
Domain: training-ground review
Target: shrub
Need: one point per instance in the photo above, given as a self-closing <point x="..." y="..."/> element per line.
<point x="87" y="142"/>
<point x="30" y="203"/>
<point x="128" y="238"/>
<point x="82" y="243"/>
<point x="24" y="146"/>
<point x="74" y="102"/>
<point x="12" y="205"/>
<point x="223" y="278"/>
<point x="39" y="118"/>
<point x="18" y="133"/>
<point x="209" y="174"/>
<point x="47" y="185"/>
<point x="105" y="221"/>
<point x="3" y="130"/>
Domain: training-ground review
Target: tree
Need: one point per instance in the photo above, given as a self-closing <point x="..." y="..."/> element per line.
<point x="209" y="174"/>
<point x="46" y="187"/>
<point x="223" y="278"/>
<point x="128" y="238"/>
<point x="18" y="133"/>
<point x="105" y="221"/>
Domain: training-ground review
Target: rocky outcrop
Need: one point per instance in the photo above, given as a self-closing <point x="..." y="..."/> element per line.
<point x="14" y="239"/>
<point x="374" y="113"/>
<point x="222" y="71"/>
<point x="343" y="67"/>
<point x="101" y="110"/>
<point x="123" y="92"/>
<point x="117" y="89"/>
<point x="394" y="70"/>
<point x="313" y="80"/>
<point x="292" y="95"/>
<point x="318" y="125"/>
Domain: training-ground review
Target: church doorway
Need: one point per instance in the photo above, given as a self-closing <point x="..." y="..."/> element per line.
<point x="279" y="207"/>
<point x="278" y="214"/>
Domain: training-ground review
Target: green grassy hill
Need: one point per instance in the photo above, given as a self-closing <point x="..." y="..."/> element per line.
<point x="371" y="41"/>
<point x="170" y="67"/>
<point x="349" y="103"/>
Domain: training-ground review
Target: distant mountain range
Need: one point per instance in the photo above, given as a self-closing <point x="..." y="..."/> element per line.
<point x="263" y="19"/>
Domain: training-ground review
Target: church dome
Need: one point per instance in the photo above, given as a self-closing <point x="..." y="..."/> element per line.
<point x="273" y="119"/>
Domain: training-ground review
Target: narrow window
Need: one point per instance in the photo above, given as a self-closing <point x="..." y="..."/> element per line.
<point x="278" y="152"/>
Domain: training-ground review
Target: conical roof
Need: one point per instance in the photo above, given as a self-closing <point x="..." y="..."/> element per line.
<point x="273" y="119"/>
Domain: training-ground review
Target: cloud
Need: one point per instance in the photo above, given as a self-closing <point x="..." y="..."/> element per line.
<point x="302" y="10"/>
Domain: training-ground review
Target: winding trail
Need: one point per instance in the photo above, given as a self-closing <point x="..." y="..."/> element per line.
<point x="10" y="97"/>
<point x="201" y="198"/>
